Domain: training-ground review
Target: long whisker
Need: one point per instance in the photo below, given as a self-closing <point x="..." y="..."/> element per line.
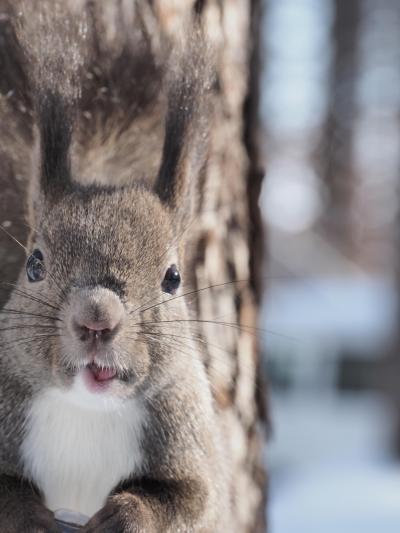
<point x="14" y="239"/>
<point x="27" y="340"/>
<point x="146" y="303"/>
<point x="194" y="291"/>
<point x="155" y="338"/>
<point x="29" y="296"/>
<point x="24" y="326"/>
<point x="20" y="313"/>
<point x="62" y="290"/>
<point x="211" y="365"/>
<point x="20" y="319"/>
<point x="194" y="338"/>
<point x="243" y="327"/>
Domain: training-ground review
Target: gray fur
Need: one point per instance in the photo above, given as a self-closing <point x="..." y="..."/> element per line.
<point x="111" y="193"/>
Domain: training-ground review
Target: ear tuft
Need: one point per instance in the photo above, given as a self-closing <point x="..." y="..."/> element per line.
<point x="53" y="38"/>
<point x="55" y="127"/>
<point x="186" y="128"/>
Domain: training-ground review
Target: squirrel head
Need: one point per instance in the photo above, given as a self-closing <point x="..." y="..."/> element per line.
<point x="105" y="270"/>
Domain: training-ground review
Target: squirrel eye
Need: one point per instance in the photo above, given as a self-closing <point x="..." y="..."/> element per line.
<point x="35" y="267"/>
<point x="172" y="280"/>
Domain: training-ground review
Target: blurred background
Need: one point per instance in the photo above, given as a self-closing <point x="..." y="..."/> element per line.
<point x="330" y="200"/>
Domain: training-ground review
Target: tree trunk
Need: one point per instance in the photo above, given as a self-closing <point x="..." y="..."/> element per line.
<point x="227" y="244"/>
<point x="335" y="151"/>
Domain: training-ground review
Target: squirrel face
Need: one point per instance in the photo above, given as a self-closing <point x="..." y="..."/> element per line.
<point x="106" y="261"/>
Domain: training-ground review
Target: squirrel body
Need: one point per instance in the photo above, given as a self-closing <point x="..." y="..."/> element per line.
<point x="105" y="404"/>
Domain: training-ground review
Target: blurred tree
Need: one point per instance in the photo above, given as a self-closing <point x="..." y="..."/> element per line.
<point x="334" y="155"/>
<point x="391" y="363"/>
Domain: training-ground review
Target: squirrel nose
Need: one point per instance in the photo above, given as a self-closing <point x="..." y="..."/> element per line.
<point x="103" y="330"/>
<point x="95" y="314"/>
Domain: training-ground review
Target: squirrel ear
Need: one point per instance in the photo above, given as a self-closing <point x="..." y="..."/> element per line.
<point x="185" y="147"/>
<point x="55" y="127"/>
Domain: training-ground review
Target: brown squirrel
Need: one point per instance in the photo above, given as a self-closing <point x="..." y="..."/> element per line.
<point x="102" y="413"/>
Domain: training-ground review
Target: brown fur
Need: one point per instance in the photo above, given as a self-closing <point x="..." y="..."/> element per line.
<point x="112" y="190"/>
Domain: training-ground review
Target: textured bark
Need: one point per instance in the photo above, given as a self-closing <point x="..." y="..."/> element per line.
<point x="12" y="221"/>
<point x="13" y="175"/>
<point x="227" y="243"/>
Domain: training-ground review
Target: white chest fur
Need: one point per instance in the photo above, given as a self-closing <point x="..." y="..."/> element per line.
<point x="78" y="446"/>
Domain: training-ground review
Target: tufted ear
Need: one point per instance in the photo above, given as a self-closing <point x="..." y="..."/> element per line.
<point x="55" y="127"/>
<point x="185" y="147"/>
<point x="52" y="38"/>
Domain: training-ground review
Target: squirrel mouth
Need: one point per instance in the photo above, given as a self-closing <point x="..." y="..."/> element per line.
<point x="101" y="374"/>
<point x="99" y="378"/>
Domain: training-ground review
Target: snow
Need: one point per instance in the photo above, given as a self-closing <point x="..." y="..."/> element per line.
<point x="329" y="465"/>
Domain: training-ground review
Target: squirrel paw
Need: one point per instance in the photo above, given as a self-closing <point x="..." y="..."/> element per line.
<point x="36" y="519"/>
<point x="123" y="513"/>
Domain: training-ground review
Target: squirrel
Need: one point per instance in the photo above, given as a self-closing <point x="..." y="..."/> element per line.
<point x="102" y="411"/>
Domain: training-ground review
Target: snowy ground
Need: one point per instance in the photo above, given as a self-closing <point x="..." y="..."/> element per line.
<point x="329" y="465"/>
